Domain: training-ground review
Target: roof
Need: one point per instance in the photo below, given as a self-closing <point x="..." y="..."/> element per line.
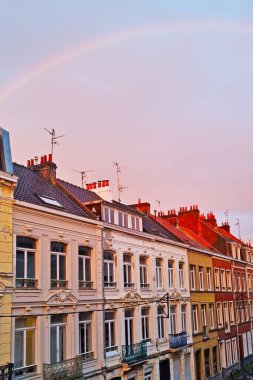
<point x="82" y="195"/>
<point x="31" y="185"/>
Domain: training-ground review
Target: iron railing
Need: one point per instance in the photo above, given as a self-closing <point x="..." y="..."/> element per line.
<point x="68" y="369"/>
<point x="227" y="371"/>
<point x="62" y="284"/>
<point x="178" y="340"/>
<point x="26" y="283"/>
<point x="85" y="284"/>
<point x="6" y="371"/>
<point x="134" y="352"/>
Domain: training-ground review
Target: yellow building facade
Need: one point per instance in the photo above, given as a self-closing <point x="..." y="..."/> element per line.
<point x="206" y="354"/>
<point x="7" y="185"/>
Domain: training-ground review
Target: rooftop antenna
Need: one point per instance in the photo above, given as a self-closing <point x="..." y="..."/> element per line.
<point x="226" y="215"/>
<point x="159" y="205"/>
<point x="83" y="175"/>
<point x="53" y="139"/>
<point x="120" y="188"/>
<point x="239" y="229"/>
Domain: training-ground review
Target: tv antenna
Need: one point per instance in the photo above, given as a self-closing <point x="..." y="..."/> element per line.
<point x="239" y="229"/>
<point x="83" y="175"/>
<point x="120" y="188"/>
<point x="159" y="205"/>
<point x="226" y="215"/>
<point x="53" y="139"/>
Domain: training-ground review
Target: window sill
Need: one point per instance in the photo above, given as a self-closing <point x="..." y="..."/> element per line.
<point x="111" y="354"/>
<point x="27" y="290"/>
<point x="87" y="289"/>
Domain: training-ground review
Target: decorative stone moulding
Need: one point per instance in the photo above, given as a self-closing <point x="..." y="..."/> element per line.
<point x="28" y="230"/>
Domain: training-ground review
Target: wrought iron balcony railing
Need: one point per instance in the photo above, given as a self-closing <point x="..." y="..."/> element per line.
<point x="85" y="284"/>
<point x="68" y="369"/>
<point x="128" y="284"/>
<point x="178" y="340"/>
<point x="145" y="285"/>
<point x="6" y="371"/>
<point x="26" y="283"/>
<point x="62" y="284"/>
<point x="134" y="353"/>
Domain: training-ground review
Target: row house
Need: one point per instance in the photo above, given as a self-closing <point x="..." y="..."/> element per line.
<point x="147" y="309"/>
<point x="57" y="301"/>
<point x="7" y="185"/>
<point x="230" y="274"/>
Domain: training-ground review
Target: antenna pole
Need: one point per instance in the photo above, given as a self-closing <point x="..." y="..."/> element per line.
<point x="118" y="170"/>
<point x="53" y="139"/>
<point x="239" y="229"/>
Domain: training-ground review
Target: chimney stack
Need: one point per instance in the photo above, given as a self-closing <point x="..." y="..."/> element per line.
<point x="225" y="226"/>
<point x="46" y="167"/>
<point x="190" y="218"/>
<point x="143" y="207"/>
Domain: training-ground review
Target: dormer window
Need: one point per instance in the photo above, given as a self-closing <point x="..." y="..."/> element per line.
<point x="109" y="215"/>
<point x="50" y="201"/>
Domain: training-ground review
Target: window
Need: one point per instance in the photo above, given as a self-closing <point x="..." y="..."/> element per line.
<point x="226" y="317"/>
<point x="85" y="333"/>
<point x="129" y="316"/>
<point x="24" y="346"/>
<point x="160" y="322"/>
<point x="58" y="265"/>
<point x="231" y="312"/>
<point x="145" y="323"/>
<point x="109" y="215"/>
<point x="192" y="277"/>
<point x="135" y="223"/>
<point x="223" y="279"/>
<point x="249" y="282"/>
<point x="209" y="278"/>
<point x="171" y="274"/>
<point x="172" y="320"/>
<point x="123" y="219"/>
<point x="201" y="279"/>
<point x="228" y="352"/>
<point x="57" y="338"/>
<point x="219" y="314"/>
<point x="234" y="350"/>
<point x="243" y="283"/>
<point x="203" y="319"/>
<point x="148" y="375"/>
<point x="229" y="282"/>
<point x="234" y="282"/>
<point x="183" y="318"/>
<point x="181" y="275"/>
<point x="143" y="273"/>
<point x="84" y="267"/>
<point x="127" y="269"/>
<point x="109" y="269"/>
<point x="239" y="282"/>
<point x="195" y="318"/>
<point x="110" y="331"/>
<point x="207" y="362"/>
<point x="211" y="315"/>
<point x="216" y="279"/>
<point x="50" y="201"/>
<point x="25" y="262"/>
<point x="159" y="281"/>
<point x="215" y="362"/>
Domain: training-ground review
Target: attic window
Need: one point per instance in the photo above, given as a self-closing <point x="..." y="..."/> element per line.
<point x="50" y="201"/>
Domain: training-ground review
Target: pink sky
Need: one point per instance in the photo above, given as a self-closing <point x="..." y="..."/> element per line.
<point x="166" y="93"/>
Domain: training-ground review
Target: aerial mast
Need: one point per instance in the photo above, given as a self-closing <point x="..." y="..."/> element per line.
<point x="120" y="188"/>
<point x="83" y="175"/>
<point x="54" y="139"/>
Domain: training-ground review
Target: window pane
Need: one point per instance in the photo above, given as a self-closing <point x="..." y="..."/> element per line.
<point x="30" y="265"/>
<point x="30" y="347"/>
<point x="19" y="344"/>
<point x="25" y="242"/>
<point x="80" y="269"/>
<point x="53" y="346"/>
<point x="58" y="247"/>
<point x="112" y="216"/>
<point x="85" y="251"/>
<point x="20" y="273"/>
<point x="62" y="267"/>
<point x="61" y="343"/>
<point x="53" y="267"/>
<point x="109" y="315"/>
<point x="87" y="270"/>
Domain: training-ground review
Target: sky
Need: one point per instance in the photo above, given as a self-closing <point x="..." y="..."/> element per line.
<point x="164" y="88"/>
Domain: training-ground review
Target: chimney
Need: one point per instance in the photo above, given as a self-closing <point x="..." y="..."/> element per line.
<point x="45" y="167"/>
<point x="211" y="219"/>
<point x="143" y="207"/>
<point x="171" y="216"/>
<point x="190" y="218"/>
<point x="225" y="226"/>
<point x="101" y="188"/>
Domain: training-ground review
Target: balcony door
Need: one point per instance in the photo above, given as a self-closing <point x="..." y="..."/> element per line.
<point x="57" y="338"/>
<point x="129" y="327"/>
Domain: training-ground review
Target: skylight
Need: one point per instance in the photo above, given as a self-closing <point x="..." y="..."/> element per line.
<point x="50" y="201"/>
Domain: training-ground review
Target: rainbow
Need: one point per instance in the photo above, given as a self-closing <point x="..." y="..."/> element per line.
<point x="87" y="47"/>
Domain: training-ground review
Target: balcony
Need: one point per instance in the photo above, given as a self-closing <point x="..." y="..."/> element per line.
<point x="128" y="284"/>
<point x="6" y="371"/>
<point x="85" y="284"/>
<point x="134" y="353"/>
<point x="178" y="340"/>
<point x="59" y="284"/>
<point x="68" y="369"/>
